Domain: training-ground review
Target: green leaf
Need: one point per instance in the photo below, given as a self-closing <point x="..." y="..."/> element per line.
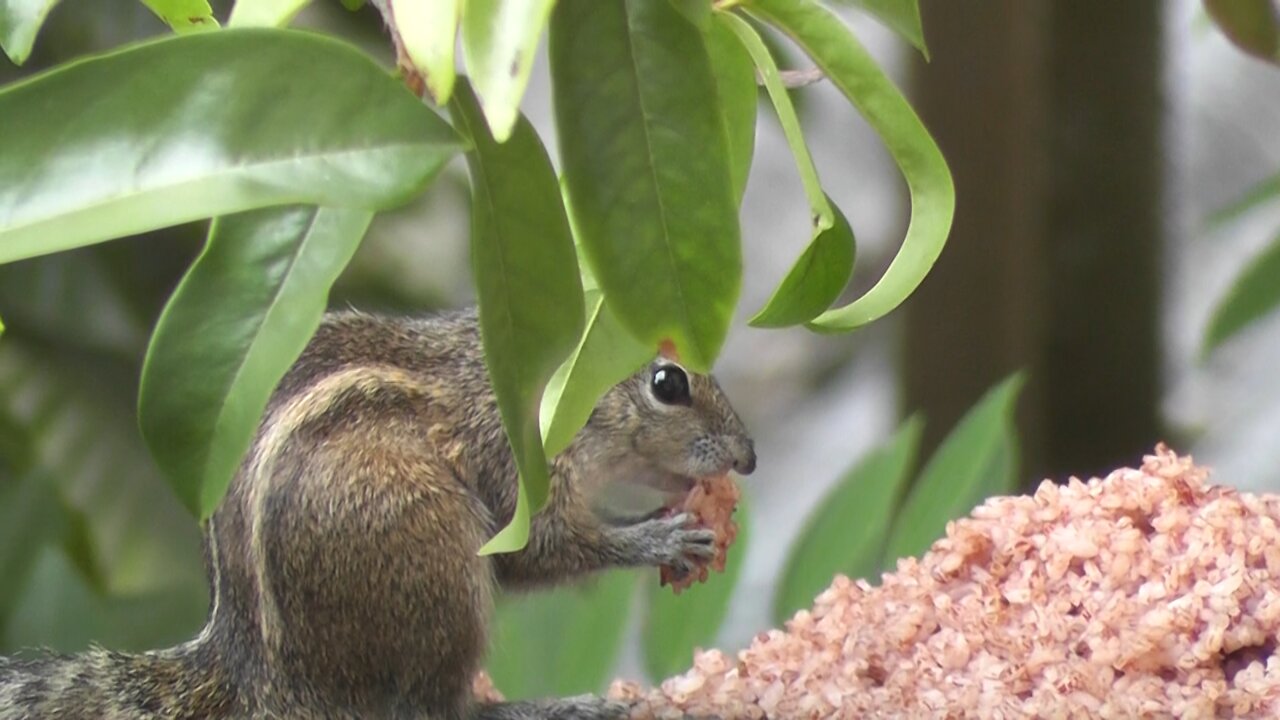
<point x="847" y="531"/>
<point x="974" y="462"/>
<point x="1255" y="293"/>
<point x="184" y="16"/>
<point x="815" y="281"/>
<point x="848" y="66"/>
<point x="236" y="322"/>
<point x="562" y="642"/>
<point x="606" y="355"/>
<point x="352" y="5"/>
<point x="1253" y="25"/>
<point x="646" y="162"/>
<point x="264" y="13"/>
<point x="20" y="21"/>
<point x="676" y="625"/>
<point x="29" y="519"/>
<point x="1264" y="192"/>
<point x="527" y="284"/>
<point x="428" y="31"/>
<point x="736" y="88"/>
<point x="900" y="16"/>
<point x="499" y="40"/>
<point x="206" y="125"/>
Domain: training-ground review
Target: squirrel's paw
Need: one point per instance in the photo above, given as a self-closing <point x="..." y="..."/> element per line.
<point x="677" y="542"/>
<point x="586" y="707"/>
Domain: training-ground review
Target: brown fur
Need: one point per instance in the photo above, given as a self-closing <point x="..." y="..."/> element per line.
<point x="343" y="562"/>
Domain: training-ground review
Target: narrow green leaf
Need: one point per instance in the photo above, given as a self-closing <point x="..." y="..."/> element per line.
<point x="184" y="16"/>
<point x="646" y="162"/>
<point x="606" y="355"/>
<point x="206" y="125"/>
<point x="676" y="625"/>
<point x="972" y="463"/>
<point x="29" y="519"/>
<point x="236" y="322"/>
<point x="530" y="295"/>
<point x="1255" y="293"/>
<point x="847" y="531"/>
<point x="1253" y="25"/>
<point x="499" y="40"/>
<point x="428" y="31"/>
<point x="848" y="66"/>
<point x="1264" y="192"/>
<point x="736" y="88"/>
<point x="20" y="21"/>
<point x="900" y="16"/>
<point x="264" y="13"/>
<point x="816" y="280"/>
<point x="562" y="642"/>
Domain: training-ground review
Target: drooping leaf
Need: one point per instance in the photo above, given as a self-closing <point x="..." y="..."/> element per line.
<point x="235" y="324"/>
<point x="736" y="88"/>
<point x="676" y="625"/>
<point x="499" y="40"/>
<point x="1264" y="192"/>
<point x="201" y="126"/>
<point x="900" y="16"/>
<point x="527" y="284"/>
<point x="816" y="280"/>
<point x="1254" y="294"/>
<point x="973" y="462"/>
<point x="1253" y="25"/>
<point x="20" y="21"/>
<point x="184" y="16"/>
<point x="847" y="531"/>
<point x="646" y="162"/>
<point x="428" y="32"/>
<point x="848" y="66"/>
<point x="606" y="355"/>
<point x="562" y="642"/>
<point x="264" y="13"/>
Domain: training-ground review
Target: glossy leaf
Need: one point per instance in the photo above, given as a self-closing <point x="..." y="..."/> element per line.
<point x="1253" y="25"/>
<point x="527" y="284"/>
<point x="736" y="88"/>
<point x="264" y="13"/>
<point x="816" y="280"/>
<point x="428" y="31"/>
<point x="232" y="328"/>
<point x="206" y="125"/>
<point x="846" y="532"/>
<point x="900" y="16"/>
<point x="184" y="16"/>
<point x="848" y="66"/>
<point x="676" y="625"/>
<point x="561" y="642"/>
<point x="646" y="162"/>
<point x="499" y="40"/>
<point x="1255" y="293"/>
<point x="606" y="355"/>
<point x="973" y="462"/>
<point x="20" y="22"/>
<point x="1264" y="192"/>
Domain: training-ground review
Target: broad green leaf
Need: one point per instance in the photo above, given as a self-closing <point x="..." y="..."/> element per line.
<point x="816" y="280"/>
<point x="646" y="163"/>
<point x="206" y="125"/>
<point x="428" y="31"/>
<point x="1255" y="293"/>
<point x="847" y="531"/>
<point x="1264" y="192"/>
<point x="20" y="21"/>
<point x="676" y="625"/>
<point x="697" y="12"/>
<point x="900" y="16"/>
<point x="499" y="40"/>
<point x="184" y="16"/>
<point x="562" y="642"/>
<point x="606" y="355"/>
<point x="974" y="462"/>
<point x="264" y="13"/>
<point x="848" y="66"/>
<point x="237" y="321"/>
<point x="527" y="284"/>
<point x="736" y="88"/>
<point x="352" y="5"/>
<point x="1253" y="25"/>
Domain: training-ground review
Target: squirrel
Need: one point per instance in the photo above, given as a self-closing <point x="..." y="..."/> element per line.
<point x="345" y="579"/>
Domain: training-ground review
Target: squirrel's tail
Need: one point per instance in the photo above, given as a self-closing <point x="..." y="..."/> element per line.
<point x="181" y="682"/>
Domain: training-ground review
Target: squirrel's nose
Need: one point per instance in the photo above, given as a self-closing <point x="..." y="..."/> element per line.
<point x="745" y="463"/>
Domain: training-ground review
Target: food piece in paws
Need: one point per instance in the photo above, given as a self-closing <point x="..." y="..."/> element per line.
<point x="711" y="501"/>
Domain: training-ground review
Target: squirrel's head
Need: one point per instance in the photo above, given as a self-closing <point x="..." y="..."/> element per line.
<point x="674" y="426"/>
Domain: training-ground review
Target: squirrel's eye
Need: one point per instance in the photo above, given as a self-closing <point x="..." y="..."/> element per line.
<point x="671" y="386"/>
